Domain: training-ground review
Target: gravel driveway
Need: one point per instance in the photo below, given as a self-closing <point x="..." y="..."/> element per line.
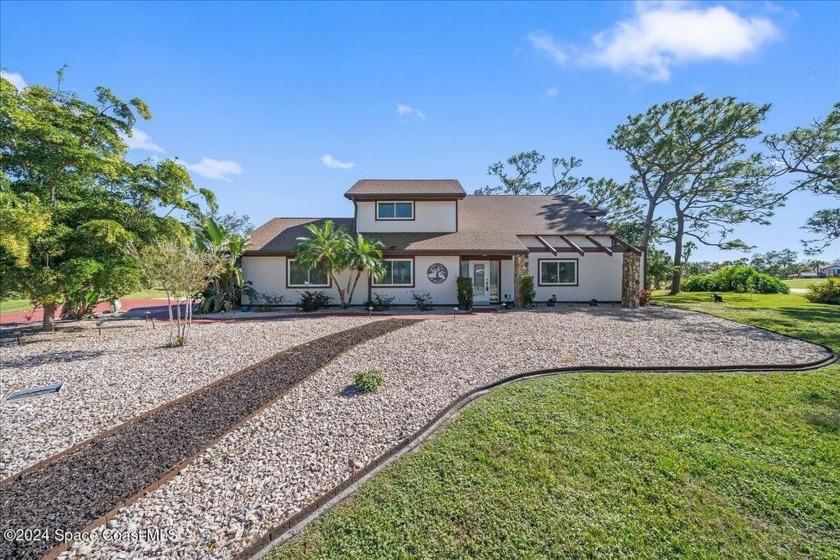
<point x="304" y="444"/>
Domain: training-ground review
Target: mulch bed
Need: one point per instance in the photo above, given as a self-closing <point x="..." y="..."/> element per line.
<point x="85" y="485"/>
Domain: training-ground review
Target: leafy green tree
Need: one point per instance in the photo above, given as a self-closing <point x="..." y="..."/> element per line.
<point x="660" y="267"/>
<point x="63" y="162"/>
<point x="181" y="270"/>
<point x="518" y="179"/>
<point x="777" y="263"/>
<point x="812" y="156"/>
<point x="674" y="147"/>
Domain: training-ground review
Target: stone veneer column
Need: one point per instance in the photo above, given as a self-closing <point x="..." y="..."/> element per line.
<point x="630" y="289"/>
<point x="520" y="269"/>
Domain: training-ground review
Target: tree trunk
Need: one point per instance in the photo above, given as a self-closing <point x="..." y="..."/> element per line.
<point x="676" y="276"/>
<point x="353" y="289"/>
<point x="520" y="269"/>
<point x="645" y="242"/>
<point x="48" y="324"/>
<point x="630" y="292"/>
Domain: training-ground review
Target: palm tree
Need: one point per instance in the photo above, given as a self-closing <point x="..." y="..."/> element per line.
<point x="325" y="247"/>
<point x="363" y="255"/>
<point x="335" y="250"/>
<point x="225" y="289"/>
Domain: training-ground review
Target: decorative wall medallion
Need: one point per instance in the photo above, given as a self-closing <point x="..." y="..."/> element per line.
<point x="437" y="273"/>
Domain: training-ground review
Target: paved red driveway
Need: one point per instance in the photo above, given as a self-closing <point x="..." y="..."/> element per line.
<point x="156" y="306"/>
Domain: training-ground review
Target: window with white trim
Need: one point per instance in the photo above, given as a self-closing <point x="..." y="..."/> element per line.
<point x="398" y="272"/>
<point x="394" y="210"/>
<point x="558" y="272"/>
<point x="301" y="276"/>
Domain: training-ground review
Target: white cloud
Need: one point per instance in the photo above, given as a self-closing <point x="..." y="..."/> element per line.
<point x="551" y="92"/>
<point x="403" y="109"/>
<point x="15" y="78"/>
<point x="333" y="163"/>
<point x="662" y="35"/>
<point x="221" y="169"/>
<point x="140" y="140"/>
<point x="545" y="44"/>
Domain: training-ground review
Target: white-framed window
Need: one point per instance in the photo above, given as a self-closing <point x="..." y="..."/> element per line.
<point x="558" y="272"/>
<point x="302" y="277"/>
<point x="398" y="272"/>
<point x="395" y="210"/>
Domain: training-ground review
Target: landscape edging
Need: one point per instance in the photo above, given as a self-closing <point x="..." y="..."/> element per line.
<point x="293" y="526"/>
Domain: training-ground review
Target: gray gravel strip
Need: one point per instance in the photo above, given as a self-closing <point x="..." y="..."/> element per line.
<point x="312" y="438"/>
<point x="112" y="378"/>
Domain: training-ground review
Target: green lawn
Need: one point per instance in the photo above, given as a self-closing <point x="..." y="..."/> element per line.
<point x="623" y="465"/>
<point x="12" y="305"/>
<point x="803" y="282"/>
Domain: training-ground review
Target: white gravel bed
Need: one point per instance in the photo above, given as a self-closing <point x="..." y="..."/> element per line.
<point x="125" y="372"/>
<point x="305" y="444"/>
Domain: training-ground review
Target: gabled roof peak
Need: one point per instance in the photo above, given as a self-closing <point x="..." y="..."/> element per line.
<point x="371" y="189"/>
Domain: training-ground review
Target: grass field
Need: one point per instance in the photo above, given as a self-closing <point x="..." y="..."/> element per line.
<point x="620" y="466"/>
<point x="803" y="282"/>
<point x="12" y="305"/>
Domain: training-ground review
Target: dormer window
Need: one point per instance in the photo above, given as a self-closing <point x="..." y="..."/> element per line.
<point x="395" y="210"/>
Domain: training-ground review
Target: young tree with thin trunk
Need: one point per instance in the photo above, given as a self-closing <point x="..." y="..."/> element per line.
<point x="363" y="255"/>
<point x="673" y="142"/>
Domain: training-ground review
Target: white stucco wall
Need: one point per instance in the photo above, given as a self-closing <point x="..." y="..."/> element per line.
<point x="599" y="277"/>
<point x="429" y="216"/>
<point x="268" y="274"/>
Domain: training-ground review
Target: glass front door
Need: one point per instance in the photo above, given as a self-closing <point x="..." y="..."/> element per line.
<point x="485" y="277"/>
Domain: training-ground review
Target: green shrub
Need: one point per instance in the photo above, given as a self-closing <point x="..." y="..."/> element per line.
<point x="313" y="301"/>
<point x="379" y="303"/>
<point x="465" y="292"/>
<point x="423" y="301"/>
<point x="369" y="381"/>
<point x="526" y="289"/>
<point x="738" y="278"/>
<point x="828" y="292"/>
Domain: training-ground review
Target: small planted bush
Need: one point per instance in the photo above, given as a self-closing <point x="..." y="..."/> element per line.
<point x="379" y="303"/>
<point x="423" y="301"/>
<point x="738" y="278"/>
<point x="828" y="292"/>
<point x="313" y="301"/>
<point x="269" y="301"/>
<point x="645" y="297"/>
<point x="526" y="289"/>
<point x="369" y="381"/>
<point x="465" y="292"/>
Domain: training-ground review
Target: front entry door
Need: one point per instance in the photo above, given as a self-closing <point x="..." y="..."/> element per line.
<point x="479" y="271"/>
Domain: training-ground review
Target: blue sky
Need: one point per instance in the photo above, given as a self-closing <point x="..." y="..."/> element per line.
<point x="281" y="107"/>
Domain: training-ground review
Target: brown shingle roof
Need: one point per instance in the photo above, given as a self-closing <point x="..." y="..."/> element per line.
<point x="406" y="188"/>
<point x="486" y="225"/>
<point x="279" y="235"/>
<point x="492" y="223"/>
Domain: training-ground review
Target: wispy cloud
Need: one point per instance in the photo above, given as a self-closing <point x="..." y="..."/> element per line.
<point x="221" y="169"/>
<point x="333" y="163"/>
<point x="408" y="110"/>
<point x="15" y="78"/>
<point x="140" y="140"/>
<point x="545" y="44"/>
<point x="551" y="92"/>
<point x="662" y="35"/>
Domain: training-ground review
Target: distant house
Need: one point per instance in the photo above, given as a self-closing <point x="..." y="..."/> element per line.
<point x="433" y="232"/>
<point x="831" y="270"/>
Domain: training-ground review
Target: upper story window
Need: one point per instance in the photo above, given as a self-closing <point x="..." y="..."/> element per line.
<point x="301" y="276"/>
<point x="395" y="210"/>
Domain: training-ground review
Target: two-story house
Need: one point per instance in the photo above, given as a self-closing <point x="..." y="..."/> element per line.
<point x="433" y="232"/>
